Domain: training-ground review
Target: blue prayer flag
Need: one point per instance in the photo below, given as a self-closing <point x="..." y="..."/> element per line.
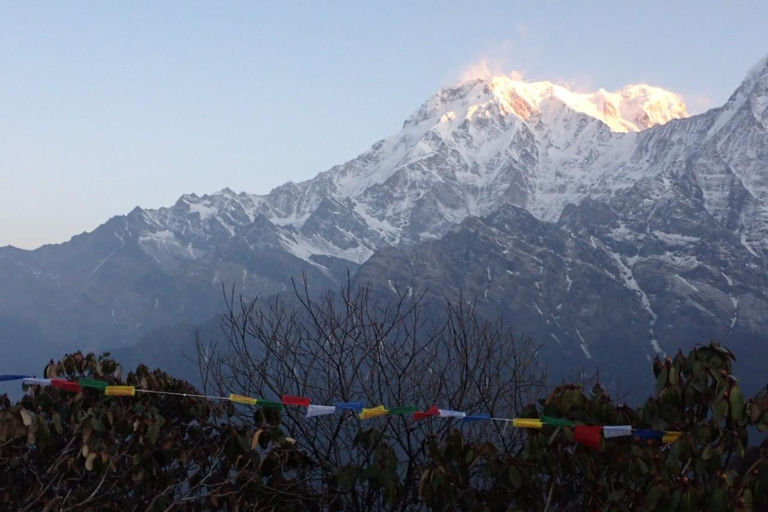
<point x="476" y="417"/>
<point x="350" y="406"/>
<point x="12" y="377"/>
<point x="648" y="434"/>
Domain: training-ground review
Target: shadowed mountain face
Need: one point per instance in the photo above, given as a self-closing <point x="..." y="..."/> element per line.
<point x="597" y="289"/>
<point x="609" y="227"/>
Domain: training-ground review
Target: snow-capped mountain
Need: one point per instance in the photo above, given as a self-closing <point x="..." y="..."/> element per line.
<point x="672" y="210"/>
<point x="481" y="144"/>
<point x="466" y="151"/>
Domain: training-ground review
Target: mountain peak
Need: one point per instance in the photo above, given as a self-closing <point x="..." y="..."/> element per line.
<point x="760" y="69"/>
<point x="630" y="109"/>
<point x="751" y="97"/>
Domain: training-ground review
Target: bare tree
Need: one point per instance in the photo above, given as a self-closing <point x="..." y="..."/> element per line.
<point x="349" y="346"/>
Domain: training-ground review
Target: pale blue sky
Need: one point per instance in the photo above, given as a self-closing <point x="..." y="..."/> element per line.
<point x="109" y="105"/>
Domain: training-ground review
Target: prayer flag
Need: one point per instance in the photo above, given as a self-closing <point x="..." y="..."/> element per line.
<point x="556" y="422"/>
<point x="671" y="437"/>
<point x="447" y="413"/>
<point x="432" y="411"/>
<point x="320" y="410"/>
<point x="526" y="423"/>
<point x="588" y="436"/>
<point x="242" y="399"/>
<point x="4" y="378"/>
<point x="66" y="385"/>
<point x="350" y="406"/>
<point x="32" y="381"/>
<point x="92" y="383"/>
<point x="617" y="431"/>
<point x="296" y="400"/>
<point x="269" y="404"/>
<point x="477" y="417"/>
<point x="372" y="413"/>
<point x="120" y="391"/>
<point x="648" y="434"/>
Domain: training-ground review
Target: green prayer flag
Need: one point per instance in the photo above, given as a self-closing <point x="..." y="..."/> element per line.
<point x="269" y="404"/>
<point x="399" y="411"/>
<point x="557" y="422"/>
<point x="92" y="383"/>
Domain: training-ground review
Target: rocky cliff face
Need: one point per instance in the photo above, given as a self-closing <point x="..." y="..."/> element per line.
<point x="599" y="223"/>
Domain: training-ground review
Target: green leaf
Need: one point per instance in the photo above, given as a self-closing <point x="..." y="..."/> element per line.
<point x="689" y="502"/>
<point x="616" y="496"/>
<point x="44" y="433"/>
<point x="674" y="502"/>
<point x="721" y="409"/>
<point x="673" y="376"/>
<point x="653" y="497"/>
<point x="737" y="403"/>
<point x="96" y="424"/>
<point x="566" y="400"/>
<point x="585" y="464"/>
<point x="762" y="472"/>
<point x="643" y="466"/>
<point x="57" y="422"/>
<point x="244" y="444"/>
<point x="718" y="501"/>
<point x="153" y="432"/>
<point x="748" y="500"/>
<point x="661" y="381"/>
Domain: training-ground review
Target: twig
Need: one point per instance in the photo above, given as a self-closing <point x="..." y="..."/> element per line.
<point x="549" y="498"/>
<point x="104" y="477"/>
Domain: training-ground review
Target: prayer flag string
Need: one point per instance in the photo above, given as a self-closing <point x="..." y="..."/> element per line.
<point x="587" y="435"/>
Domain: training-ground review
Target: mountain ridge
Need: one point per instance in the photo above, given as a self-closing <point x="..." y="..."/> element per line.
<point x="673" y="219"/>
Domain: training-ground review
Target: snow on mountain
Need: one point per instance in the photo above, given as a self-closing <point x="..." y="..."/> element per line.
<point x="466" y="151"/>
<point x="484" y="143"/>
<point x="633" y="108"/>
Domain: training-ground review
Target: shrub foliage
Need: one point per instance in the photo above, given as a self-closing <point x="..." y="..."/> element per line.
<point x="62" y="451"/>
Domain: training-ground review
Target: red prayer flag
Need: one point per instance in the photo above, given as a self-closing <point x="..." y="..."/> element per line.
<point x="296" y="400"/>
<point x="66" y="385"/>
<point x="588" y="436"/>
<point x="432" y="411"/>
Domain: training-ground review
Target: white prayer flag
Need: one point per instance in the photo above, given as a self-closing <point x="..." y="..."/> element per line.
<point x="617" y="431"/>
<point x="37" y="382"/>
<point x="447" y="413"/>
<point x="320" y="410"/>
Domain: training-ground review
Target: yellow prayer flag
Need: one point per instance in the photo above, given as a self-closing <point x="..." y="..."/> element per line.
<point x="120" y="391"/>
<point x="242" y="399"/>
<point x="526" y="423"/>
<point x="372" y="413"/>
<point x="671" y="437"/>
